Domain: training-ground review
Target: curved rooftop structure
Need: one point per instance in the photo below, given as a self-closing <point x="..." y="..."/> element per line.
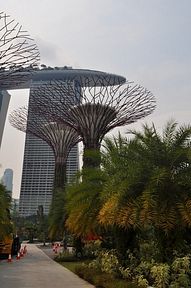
<point x="83" y="76"/>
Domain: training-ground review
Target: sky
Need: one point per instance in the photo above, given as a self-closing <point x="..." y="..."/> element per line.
<point x="147" y="41"/>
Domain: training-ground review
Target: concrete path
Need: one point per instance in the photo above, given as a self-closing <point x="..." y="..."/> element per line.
<point x="37" y="270"/>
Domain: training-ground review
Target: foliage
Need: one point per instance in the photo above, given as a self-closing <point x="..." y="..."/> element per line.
<point x="32" y="227"/>
<point x="144" y="273"/>
<point x="57" y="215"/>
<point x="148" y="185"/>
<point x="91" y="248"/>
<point x="140" y="200"/>
<point x="142" y="282"/>
<point x="66" y="256"/>
<point x="107" y="265"/>
<point x="181" y="272"/>
<point x="6" y="226"/>
<point x="83" y="203"/>
<point x="108" y="261"/>
<point x="102" y="279"/>
<point x="160" y="274"/>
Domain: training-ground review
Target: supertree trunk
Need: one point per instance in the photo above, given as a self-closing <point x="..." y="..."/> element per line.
<point x="91" y="156"/>
<point x="60" y="178"/>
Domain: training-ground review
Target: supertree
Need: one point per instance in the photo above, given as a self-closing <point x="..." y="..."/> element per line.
<point x="19" y="54"/>
<point x="60" y="137"/>
<point x="93" y="106"/>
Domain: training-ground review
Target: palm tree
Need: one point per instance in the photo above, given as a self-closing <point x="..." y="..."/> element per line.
<point x="83" y="203"/>
<point x="57" y="215"/>
<point x="149" y="181"/>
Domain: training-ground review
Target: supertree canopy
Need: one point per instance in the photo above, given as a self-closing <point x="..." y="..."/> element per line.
<point x="18" y="53"/>
<point x="94" y="106"/>
<point x="60" y="137"/>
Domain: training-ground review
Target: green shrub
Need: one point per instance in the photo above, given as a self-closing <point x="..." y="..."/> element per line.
<point x="107" y="268"/>
<point x="148" y="250"/>
<point x="106" y="261"/>
<point x="160" y="274"/>
<point x="144" y="268"/>
<point x="125" y="273"/>
<point x="142" y="282"/>
<point x="101" y="279"/>
<point x="181" y="273"/>
<point x="91" y="248"/>
<point x="109" y="262"/>
<point x="181" y="265"/>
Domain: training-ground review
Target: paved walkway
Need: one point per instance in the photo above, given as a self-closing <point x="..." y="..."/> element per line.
<point x="37" y="270"/>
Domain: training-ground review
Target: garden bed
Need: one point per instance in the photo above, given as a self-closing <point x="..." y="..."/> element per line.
<point x="95" y="277"/>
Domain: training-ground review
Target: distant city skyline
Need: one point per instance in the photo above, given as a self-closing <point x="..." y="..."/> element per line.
<point x="143" y="40"/>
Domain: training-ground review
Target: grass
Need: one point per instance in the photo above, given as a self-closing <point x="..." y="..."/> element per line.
<point x="72" y="265"/>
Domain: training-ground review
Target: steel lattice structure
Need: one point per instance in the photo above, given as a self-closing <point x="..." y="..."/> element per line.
<point x="60" y="137"/>
<point x="101" y="107"/>
<point x="19" y="54"/>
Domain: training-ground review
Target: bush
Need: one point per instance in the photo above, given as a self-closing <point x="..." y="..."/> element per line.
<point x="109" y="262"/>
<point x="101" y="279"/>
<point x="142" y="282"/>
<point x="107" y="268"/>
<point x="181" y="273"/>
<point x="91" y="248"/>
<point x="160" y="274"/>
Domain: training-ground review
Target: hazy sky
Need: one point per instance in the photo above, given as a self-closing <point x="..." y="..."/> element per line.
<point x="148" y="41"/>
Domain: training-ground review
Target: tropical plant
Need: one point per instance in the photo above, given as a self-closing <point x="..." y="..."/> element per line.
<point x="5" y="222"/>
<point x="161" y="275"/>
<point x="148" y="182"/>
<point x="83" y="203"/>
<point x="57" y="216"/>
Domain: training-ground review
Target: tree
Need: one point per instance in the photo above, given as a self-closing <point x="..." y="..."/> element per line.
<point x="151" y="184"/>
<point x="57" y="215"/>
<point x="61" y="139"/>
<point x="83" y="203"/>
<point x="5" y="222"/>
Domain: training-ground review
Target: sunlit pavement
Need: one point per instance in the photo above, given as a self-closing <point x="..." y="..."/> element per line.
<point x="36" y="270"/>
